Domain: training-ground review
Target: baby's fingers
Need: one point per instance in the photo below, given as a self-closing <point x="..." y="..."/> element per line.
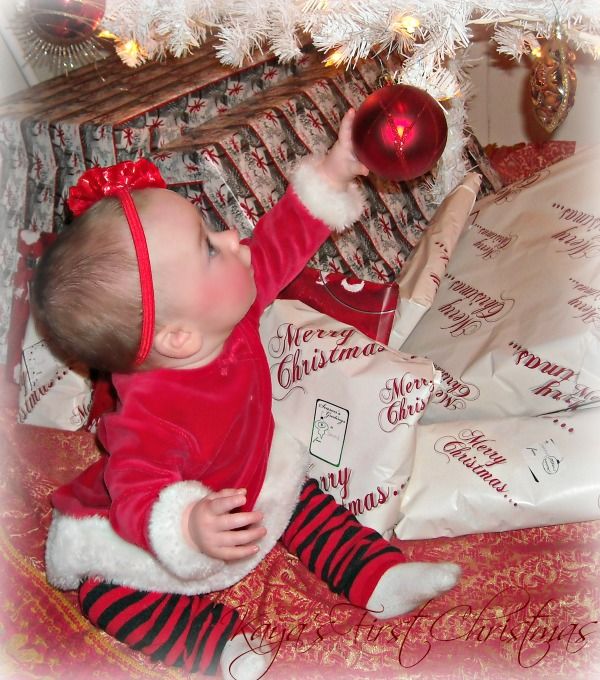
<point x="345" y="131"/>
<point x="238" y="552"/>
<point x="223" y="504"/>
<point x="360" y="168"/>
<point x="243" y="537"/>
<point x="237" y="520"/>
<point x="223" y="493"/>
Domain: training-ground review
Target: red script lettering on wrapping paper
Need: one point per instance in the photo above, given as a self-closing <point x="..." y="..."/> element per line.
<point x="472" y="308"/>
<point x="296" y="361"/>
<point x="582" y="238"/>
<point x="338" y="483"/>
<point x="472" y="448"/>
<point x="491" y="244"/>
<point x="586" y="303"/>
<point x="405" y="398"/>
<point x="563" y="386"/>
<point x="452" y="393"/>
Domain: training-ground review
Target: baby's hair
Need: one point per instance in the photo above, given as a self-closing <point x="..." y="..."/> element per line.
<point x="86" y="293"/>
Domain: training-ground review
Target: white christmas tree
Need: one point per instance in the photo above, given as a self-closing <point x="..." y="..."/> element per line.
<point x="430" y="35"/>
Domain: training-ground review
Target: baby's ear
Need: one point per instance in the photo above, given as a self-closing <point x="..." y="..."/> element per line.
<point x="175" y="342"/>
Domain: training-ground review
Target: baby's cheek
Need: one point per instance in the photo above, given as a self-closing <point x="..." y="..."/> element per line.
<point x="240" y="284"/>
<point x="237" y="284"/>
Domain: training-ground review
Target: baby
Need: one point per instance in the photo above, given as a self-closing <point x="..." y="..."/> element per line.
<point x="197" y="485"/>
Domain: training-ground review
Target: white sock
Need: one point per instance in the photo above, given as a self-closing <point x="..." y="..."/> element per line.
<point x="405" y="586"/>
<point x="245" y="659"/>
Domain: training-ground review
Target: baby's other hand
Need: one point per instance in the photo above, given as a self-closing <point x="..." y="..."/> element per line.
<point x="212" y="526"/>
<point x="340" y="166"/>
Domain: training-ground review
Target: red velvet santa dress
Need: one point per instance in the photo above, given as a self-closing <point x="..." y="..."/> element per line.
<point x="179" y="434"/>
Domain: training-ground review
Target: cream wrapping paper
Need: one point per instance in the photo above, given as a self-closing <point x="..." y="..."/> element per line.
<point x="515" y="325"/>
<point x="496" y="475"/>
<point x="424" y="269"/>
<point x="352" y="402"/>
<point x="51" y="393"/>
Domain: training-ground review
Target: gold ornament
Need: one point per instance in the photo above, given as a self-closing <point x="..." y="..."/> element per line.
<point x="553" y="81"/>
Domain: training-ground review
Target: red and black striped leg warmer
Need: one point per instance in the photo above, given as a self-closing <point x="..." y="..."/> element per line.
<point x="334" y="545"/>
<point x="178" y="630"/>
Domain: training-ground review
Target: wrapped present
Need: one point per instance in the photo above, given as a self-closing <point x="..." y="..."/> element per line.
<point x="235" y="168"/>
<point x="495" y="475"/>
<point x="519" y="161"/>
<point x="369" y="307"/>
<point x="30" y="245"/>
<point x="515" y="325"/>
<point x="52" y="393"/>
<point x="106" y="112"/>
<point x="422" y="274"/>
<point x="352" y="402"/>
<point x="13" y="201"/>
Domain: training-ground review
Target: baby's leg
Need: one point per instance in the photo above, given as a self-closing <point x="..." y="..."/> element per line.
<point x="191" y="632"/>
<point x="356" y="561"/>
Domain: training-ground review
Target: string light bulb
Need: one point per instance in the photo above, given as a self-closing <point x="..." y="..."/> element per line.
<point x="107" y="35"/>
<point x="536" y="52"/>
<point x="335" y="58"/>
<point x="405" y="24"/>
<point x="131" y="53"/>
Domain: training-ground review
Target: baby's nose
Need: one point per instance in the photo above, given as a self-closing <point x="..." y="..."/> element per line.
<point x="230" y="239"/>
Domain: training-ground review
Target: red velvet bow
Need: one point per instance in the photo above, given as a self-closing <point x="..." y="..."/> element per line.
<point x="98" y="183"/>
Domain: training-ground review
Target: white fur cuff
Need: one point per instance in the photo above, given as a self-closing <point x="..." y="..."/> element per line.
<point x="166" y="536"/>
<point x="338" y="209"/>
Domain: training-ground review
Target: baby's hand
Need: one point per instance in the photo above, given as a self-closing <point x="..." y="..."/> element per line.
<point x="340" y="166"/>
<point x="217" y="531"/>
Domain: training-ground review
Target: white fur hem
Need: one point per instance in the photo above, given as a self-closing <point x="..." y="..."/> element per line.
<point x="338" y="209"/>
<point x="88" y="547"/>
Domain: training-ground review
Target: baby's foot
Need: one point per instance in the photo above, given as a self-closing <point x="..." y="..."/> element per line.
<point x="245" y="659"/>
<point x="405" y="586"/>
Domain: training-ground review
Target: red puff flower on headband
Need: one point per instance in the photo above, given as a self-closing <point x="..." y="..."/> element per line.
<point x="98" y="183"/>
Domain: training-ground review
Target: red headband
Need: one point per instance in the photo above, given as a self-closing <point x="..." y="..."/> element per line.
<point x="120" y="180"/>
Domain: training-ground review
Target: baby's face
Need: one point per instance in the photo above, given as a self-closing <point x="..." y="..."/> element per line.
<point x="200" y="276"/>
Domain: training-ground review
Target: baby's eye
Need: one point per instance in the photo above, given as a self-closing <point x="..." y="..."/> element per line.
<point x="212" y="249"/>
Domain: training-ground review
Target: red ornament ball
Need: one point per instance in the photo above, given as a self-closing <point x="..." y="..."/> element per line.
<point x="65" y="21"/>
<point x="399" y="132"/>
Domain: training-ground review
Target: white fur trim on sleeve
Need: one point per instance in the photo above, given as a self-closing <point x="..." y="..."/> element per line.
<point x="166" y="535"/>
<point x="338" y="209"/>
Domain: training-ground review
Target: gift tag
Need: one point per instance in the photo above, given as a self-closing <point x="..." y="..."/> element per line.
<point x="329" y="432"/>
<point x="544" y="460"/>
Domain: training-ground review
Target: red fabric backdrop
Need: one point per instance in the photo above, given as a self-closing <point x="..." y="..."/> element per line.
<point x="527" y="604"/>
